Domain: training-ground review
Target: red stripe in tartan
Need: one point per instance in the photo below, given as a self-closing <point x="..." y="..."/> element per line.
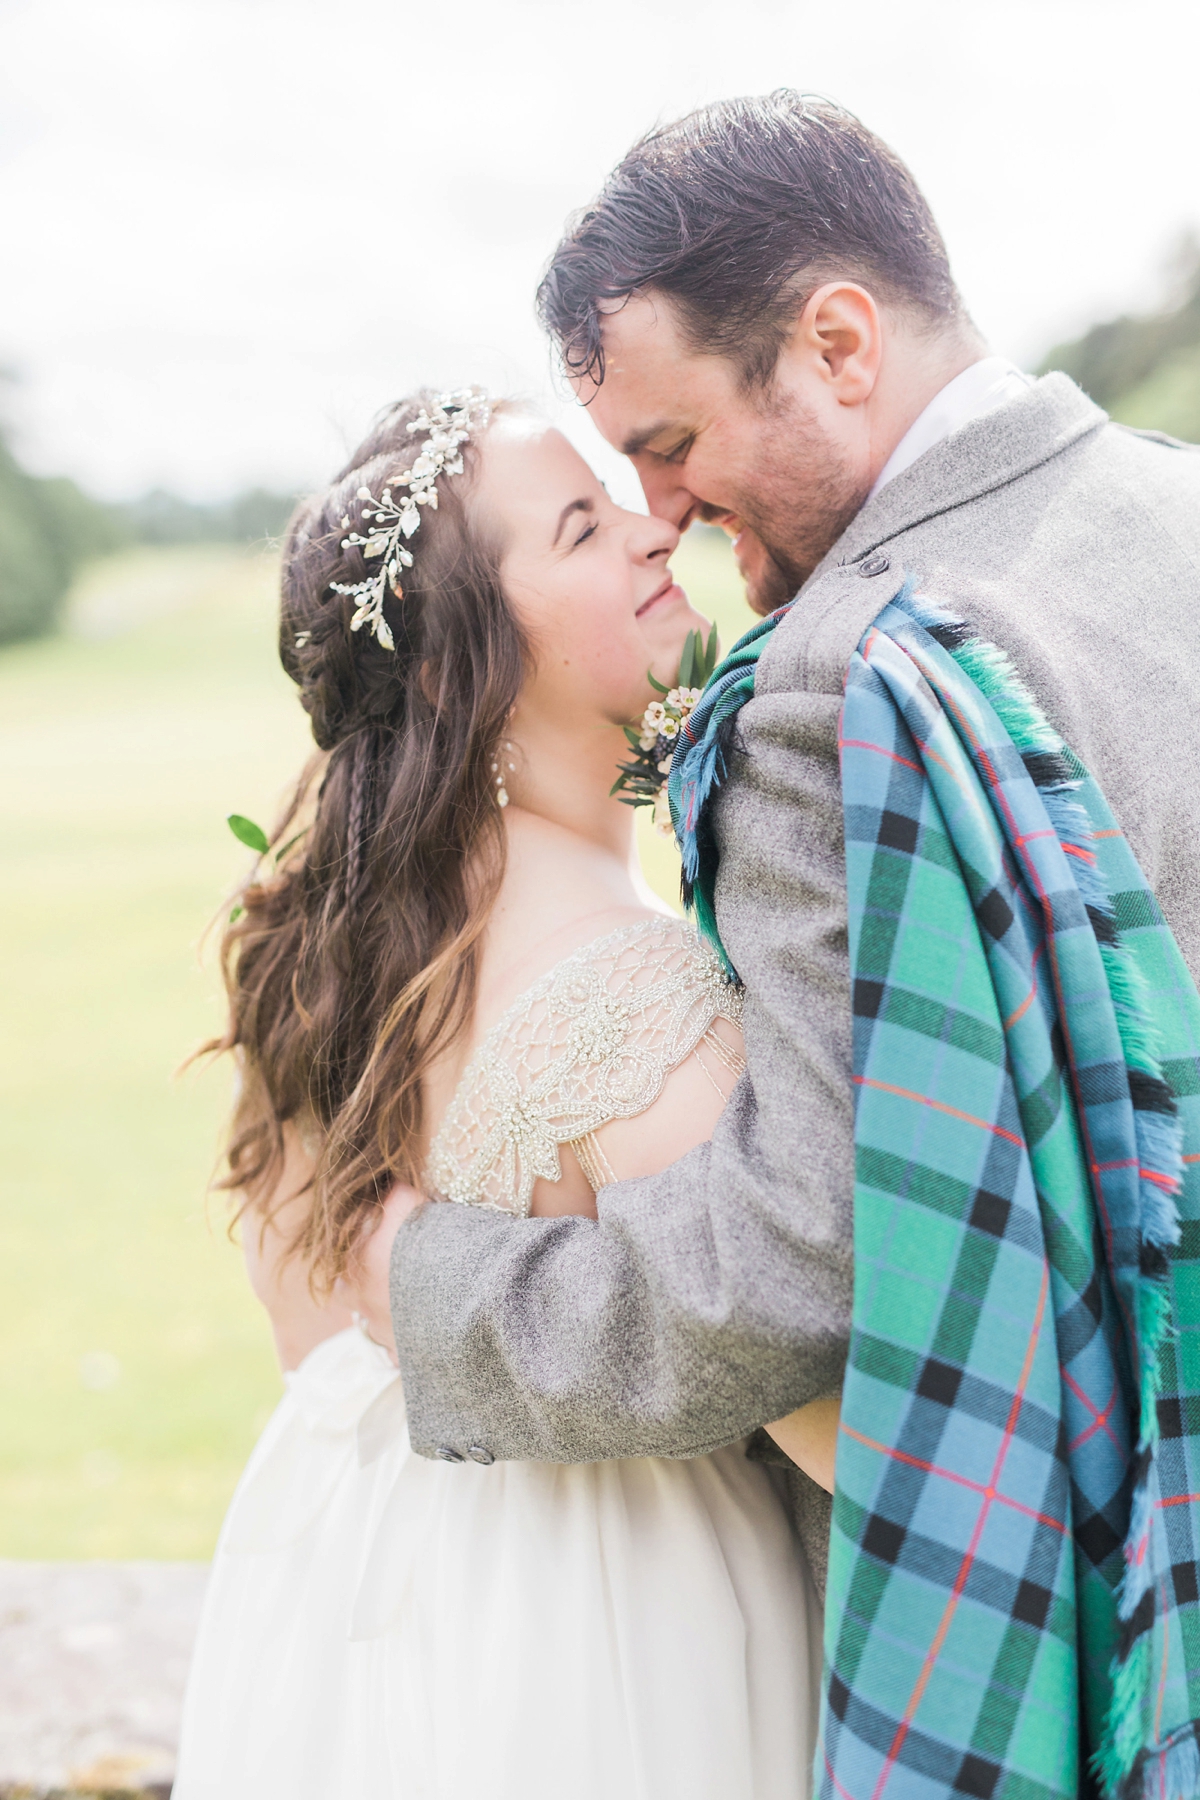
<point x="886" y="1087"/>
<point x="976" y="1487"/>
<point x="939" y="1636"/>
<point x="1168" y="1183"/>
<point x="844" y="1792"/>
<point x="1030" y="997"/>
<point x="1099" y="1419"/>
<point x="858" y="744"/>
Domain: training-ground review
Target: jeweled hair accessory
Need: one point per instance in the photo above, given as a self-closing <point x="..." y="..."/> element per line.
<point x="450" y="421"/>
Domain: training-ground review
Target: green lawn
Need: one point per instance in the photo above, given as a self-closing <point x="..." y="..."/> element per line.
<point x="135" y="1368"/>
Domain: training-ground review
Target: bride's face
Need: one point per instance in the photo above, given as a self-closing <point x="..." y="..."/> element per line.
<point x="588" y="581"/>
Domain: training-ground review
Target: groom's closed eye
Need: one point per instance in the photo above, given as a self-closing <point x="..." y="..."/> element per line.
<point x="642" y="443"/>
<point x="681" y="451"/>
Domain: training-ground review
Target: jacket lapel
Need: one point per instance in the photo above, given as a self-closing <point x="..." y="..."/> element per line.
<point x="984" y="454"/>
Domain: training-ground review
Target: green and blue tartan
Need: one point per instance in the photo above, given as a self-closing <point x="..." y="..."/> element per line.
<point x="1013" y="1585"/>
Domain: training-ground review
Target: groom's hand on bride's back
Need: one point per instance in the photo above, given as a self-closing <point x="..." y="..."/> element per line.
<point x="364" y="1286"/>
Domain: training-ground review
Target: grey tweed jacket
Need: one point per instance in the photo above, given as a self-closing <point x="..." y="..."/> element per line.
<point x="718" y="1294"/>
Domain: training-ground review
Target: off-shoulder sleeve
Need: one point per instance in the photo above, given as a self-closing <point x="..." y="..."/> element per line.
<point x="594" y="1040"/>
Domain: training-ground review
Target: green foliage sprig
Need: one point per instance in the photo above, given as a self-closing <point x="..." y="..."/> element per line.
<point x="643" y="779"/>
<point x="255" y="838"/>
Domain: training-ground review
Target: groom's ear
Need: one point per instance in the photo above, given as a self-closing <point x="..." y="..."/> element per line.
<point x="837" y="343"/>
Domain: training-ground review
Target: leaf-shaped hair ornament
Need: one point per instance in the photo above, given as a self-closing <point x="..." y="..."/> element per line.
<point x="451" y="419"/>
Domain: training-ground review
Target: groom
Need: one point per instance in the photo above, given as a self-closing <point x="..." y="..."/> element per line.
<point x="759" y="311"/>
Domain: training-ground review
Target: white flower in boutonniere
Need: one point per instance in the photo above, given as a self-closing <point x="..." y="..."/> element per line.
<point x="643" y="779"/>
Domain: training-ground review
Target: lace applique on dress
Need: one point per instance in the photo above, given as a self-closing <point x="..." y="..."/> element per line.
<point x="593" y="1040"/>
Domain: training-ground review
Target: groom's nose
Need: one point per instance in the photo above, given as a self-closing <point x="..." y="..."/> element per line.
<point x="666" y="495"/>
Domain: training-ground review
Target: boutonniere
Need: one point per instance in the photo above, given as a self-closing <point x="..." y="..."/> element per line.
<point x="643" y="779"/>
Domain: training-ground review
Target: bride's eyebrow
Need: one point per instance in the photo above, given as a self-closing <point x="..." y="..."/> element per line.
<point x="572" y="506"/>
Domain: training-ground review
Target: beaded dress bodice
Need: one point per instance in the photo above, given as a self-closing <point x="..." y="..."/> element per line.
<point x="593" y="1040"/>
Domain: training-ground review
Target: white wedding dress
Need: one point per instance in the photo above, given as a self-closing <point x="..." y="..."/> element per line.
<point x="379" y="1626"/>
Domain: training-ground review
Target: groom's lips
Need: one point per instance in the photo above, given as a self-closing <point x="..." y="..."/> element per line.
<point x="670" y="586"/>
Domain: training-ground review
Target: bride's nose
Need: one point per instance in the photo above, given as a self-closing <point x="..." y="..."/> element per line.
<point x="653" y="539"/>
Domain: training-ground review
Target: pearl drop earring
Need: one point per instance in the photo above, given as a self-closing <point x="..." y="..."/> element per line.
<point x="498" y="772"/>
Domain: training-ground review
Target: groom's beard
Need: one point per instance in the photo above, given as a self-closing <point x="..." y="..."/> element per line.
<point x="803" y="497"/>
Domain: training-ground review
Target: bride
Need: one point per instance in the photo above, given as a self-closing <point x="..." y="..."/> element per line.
<point x="450" y="973"/>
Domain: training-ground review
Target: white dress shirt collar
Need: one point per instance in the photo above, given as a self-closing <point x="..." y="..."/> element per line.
<point x="980" y="389"/>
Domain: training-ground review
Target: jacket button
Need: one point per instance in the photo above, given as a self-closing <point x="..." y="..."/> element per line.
<point x="479" y="1454"/>
<point x="447" y="1454"/>
<point x="874" y="565"/>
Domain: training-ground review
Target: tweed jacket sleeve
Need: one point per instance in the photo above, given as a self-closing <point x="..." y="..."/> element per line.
<point x="714" y="1296"/>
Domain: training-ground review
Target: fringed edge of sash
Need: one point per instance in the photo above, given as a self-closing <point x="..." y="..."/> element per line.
<point x="1124" y="1765"/>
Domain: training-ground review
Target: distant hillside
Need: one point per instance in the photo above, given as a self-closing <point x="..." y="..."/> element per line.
<point x="48" y="528"/>
<point x="160" y="517"/>
<point x="1144" y="369"/>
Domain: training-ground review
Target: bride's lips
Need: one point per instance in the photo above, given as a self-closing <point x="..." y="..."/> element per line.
<point x="669" y="588"/>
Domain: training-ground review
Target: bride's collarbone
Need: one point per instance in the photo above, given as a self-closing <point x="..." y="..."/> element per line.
<point x="559" y="893"/>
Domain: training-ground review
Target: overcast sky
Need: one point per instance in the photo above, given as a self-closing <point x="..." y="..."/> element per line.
<point x="233" y="228"/>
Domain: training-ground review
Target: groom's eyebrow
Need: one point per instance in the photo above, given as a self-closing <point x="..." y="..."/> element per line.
<point x="641" y="440"/>
<point x="572" y="506"/>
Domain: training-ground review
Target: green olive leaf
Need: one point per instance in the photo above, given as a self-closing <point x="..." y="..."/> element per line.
<point x="708" y="660"/>
<point x="248" y="833"/>
<point x="290" y="845"/>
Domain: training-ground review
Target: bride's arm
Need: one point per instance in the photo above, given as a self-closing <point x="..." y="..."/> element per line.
<point x="299" y="1321"/>
<point x="809" y="1436"/>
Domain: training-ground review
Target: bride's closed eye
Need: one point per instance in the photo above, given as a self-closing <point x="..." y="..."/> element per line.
<point x="585" y="535"/>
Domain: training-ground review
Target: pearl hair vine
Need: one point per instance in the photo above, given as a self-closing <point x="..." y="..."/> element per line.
<point x="451" y="420"/>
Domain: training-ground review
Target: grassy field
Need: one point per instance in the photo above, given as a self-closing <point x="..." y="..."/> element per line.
<point x="135" y="1368"/>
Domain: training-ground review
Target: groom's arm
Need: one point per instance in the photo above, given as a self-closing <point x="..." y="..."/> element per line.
<point x="716" y="1295"/>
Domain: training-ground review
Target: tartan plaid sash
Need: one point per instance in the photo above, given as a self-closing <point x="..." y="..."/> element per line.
<point x="1012" y="1606"/>
<point x="698" y="766"/>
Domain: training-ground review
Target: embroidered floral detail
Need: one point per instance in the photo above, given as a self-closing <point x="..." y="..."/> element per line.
<point x="593" y="1040"/>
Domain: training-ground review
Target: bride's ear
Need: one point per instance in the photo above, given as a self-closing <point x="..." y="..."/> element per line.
<point x="429" y="682"/>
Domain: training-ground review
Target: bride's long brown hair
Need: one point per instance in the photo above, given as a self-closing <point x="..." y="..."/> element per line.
<point x="352" y="964"/>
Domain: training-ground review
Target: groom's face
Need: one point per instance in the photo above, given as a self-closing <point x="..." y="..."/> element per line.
<point x="773" y="467"/>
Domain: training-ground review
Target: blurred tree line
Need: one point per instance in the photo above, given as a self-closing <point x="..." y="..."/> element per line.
<point x="49" y="527"/>
<point x="1145" y="369"/>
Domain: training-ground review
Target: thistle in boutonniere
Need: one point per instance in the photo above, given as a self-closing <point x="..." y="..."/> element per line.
<point x="643" y="779"/>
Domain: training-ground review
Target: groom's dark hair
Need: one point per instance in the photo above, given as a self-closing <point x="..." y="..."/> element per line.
<point x="738" y="212"/>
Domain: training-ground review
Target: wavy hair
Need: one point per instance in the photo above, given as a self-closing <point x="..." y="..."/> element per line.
<point x="352" y="964"/>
